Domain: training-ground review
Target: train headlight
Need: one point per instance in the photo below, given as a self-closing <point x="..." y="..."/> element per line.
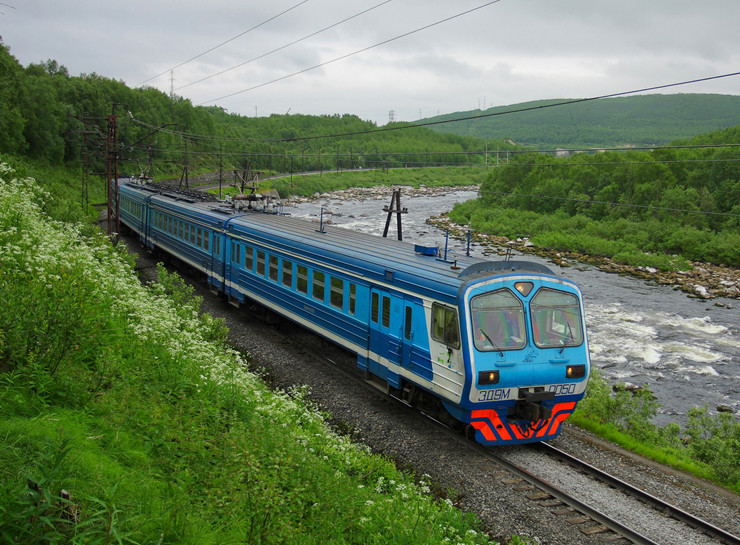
<point x="524" y="287"/>
<point x="487" y="377"/>
<point x="575" y="371"/>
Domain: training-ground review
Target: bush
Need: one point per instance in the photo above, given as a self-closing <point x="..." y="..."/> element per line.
<point x="160" y="434"/>
<point x="708" y="446"/>
<point x="715" y="440"/>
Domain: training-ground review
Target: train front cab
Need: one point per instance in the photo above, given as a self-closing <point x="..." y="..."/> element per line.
<point x="527" y="353"/>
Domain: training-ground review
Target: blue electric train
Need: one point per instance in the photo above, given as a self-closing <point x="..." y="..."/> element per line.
<point x="498" y="348"/>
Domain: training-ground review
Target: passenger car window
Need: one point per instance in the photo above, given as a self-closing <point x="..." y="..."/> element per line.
<point x="352" y="298"/>
<point x="386" y="311"/>
<point x="498" y="321"/>
<point x="318" y="285"/>
<point x="302" y="279"/>
<point x="556" y="319"/>
<point x="287" y="273"/>
<point x="336" y="295"/>
<point x="444" y="325"/>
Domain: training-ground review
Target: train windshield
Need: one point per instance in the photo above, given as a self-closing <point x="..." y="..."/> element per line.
<point x="556" y="319"/>
<point x="498" y="321"/>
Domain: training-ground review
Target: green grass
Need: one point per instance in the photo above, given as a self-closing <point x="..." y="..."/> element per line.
<point x="707" y="447"/>
<point x="130" y="400"/>
<point x="635" y="242"/>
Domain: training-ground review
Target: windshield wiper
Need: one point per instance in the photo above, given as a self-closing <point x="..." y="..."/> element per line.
<point x="569" y="331"/>
<point x="490" y="340"/>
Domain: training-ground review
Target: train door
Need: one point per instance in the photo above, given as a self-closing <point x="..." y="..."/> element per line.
<point x="386" y="327"/>
<point x="407" y="336"/>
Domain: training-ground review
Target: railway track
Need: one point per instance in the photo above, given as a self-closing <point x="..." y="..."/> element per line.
<point x="571" y="507"/>
<point x="669" y="510"/>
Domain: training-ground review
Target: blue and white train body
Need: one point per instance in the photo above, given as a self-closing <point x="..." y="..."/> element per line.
<point x="500" y="346"/>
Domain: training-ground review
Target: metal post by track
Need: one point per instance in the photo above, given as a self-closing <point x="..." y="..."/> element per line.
<point x="395" y="208"/>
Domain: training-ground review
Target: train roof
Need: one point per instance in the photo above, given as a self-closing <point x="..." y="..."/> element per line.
<point x="383" y="260"/>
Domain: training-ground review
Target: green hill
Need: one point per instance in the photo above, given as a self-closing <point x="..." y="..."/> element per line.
<point x="624" y="121"/>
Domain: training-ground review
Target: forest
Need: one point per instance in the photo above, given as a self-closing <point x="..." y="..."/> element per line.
<point x="641" y="120"/>
<point x="48" y="115"/>
<point x="679" y="199"/>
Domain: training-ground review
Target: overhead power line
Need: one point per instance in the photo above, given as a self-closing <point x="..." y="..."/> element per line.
<point x="284" y="46"/>
<point x="224" y="43"/>
<point x="521" y="110"/>
<point x="404" y="35"/>
<point x="407" y="126"/>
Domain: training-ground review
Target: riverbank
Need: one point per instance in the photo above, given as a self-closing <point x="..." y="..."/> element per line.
<point x="702" y="281"/>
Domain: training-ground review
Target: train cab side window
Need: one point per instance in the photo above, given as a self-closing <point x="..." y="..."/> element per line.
<point x="386" y="311"/>
<point x="287" y="274"/>
<point x="444" y="325"/>
<point x="302" y="279"/>
<point x="273" y="268"/>
<point x="336" y="294"/>
<point x="556" y="319"/>
<point x="374" y="306"/>
<point x="352" y="299"/>
<point x="318" y="285"/>
<point x="261" y="263"/>
<point x="248" y="258"/>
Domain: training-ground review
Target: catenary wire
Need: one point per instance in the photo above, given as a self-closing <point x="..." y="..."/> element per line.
<point x="303" y="71"/>
<point x="225" y="42"/>
<point x="518" y="110"/>
<point x="407" y="126"/>
<point x="284" y="46"/>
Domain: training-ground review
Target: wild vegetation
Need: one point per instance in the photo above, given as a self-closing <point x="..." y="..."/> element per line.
<point x="126" y="418"/>
<point x="653" y="208"/>
<point x="640" y="120"/>
<point x="706" y="447"/>
<point x="128" y="399"/>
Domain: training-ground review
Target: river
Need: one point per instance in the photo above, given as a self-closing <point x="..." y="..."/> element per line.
<point x="687" y="351"/>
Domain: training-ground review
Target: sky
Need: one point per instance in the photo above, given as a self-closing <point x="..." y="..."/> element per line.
<point x="383" y="59"/>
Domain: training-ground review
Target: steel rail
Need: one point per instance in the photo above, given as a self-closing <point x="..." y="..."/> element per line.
<point x="675" y="512"/>
<point x="577" y="505"/>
